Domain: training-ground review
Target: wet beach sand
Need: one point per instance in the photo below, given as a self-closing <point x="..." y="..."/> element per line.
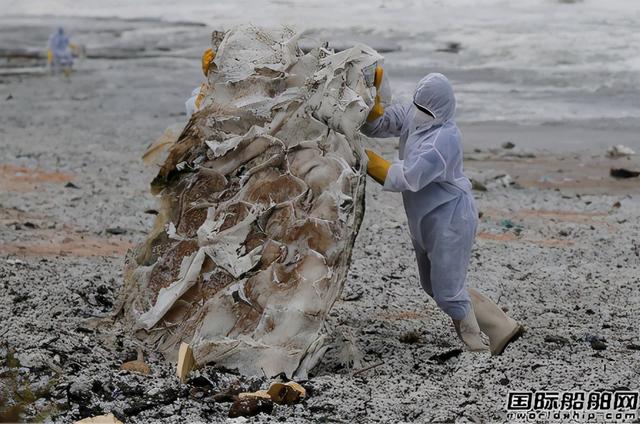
<point x="558" y="247"/>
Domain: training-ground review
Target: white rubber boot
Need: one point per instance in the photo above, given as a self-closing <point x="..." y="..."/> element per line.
<point x="493" y="322"/>
<point x="468" y="331"/>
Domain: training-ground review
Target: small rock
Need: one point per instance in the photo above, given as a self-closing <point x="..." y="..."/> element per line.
<point x="623" y="173"/>
<point x="594" y="337"/>
<point x="200" y="381"/>
<point x="116" y="230"/>
<point x="351" y="295"/>
<point x="71" y="185"/>
<point x="507" y="223"/>
<point x="104" y="300"/>
<point x="508" y="145"/>
<point x="230" y="394"/>
<point x="197" y="393"/>
<point x="550" y="338"/>
<point x="224" y="397"/>
<point x="598" y="345"/>
<point x="411" y="337"/>
<point x="250" y="407"/>
<point x="477" y="185"/>
<point x="445" y="356"/>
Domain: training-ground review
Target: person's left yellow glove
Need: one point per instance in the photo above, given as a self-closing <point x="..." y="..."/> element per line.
<point x="377" y="110"/>
<point x="377" y="167"/>
<point x="207" y="58"/>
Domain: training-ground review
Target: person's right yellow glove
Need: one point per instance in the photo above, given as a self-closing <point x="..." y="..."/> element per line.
<point x="377" y="110"/>
<point x="207" y="58"/>
<point x="377" y="167"/>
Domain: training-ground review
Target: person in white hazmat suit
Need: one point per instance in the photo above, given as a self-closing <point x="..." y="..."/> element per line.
<point x="439" y="205"/>
<point x="59" y="52"/>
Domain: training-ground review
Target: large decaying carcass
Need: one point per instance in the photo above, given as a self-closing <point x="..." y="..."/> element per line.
<point x="262" y="196"/>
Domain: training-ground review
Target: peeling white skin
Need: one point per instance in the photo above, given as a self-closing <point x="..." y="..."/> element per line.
<point x="282" y="184"/>
<point x="225" y="247"/>
<point x="189" y="271"/>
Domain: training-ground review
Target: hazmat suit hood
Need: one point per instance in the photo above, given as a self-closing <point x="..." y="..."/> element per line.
<point x="59" y="40"/>
<point x="435" y="95"/>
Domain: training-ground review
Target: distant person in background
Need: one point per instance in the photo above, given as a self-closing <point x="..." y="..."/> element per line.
<point x="59" y="53"/>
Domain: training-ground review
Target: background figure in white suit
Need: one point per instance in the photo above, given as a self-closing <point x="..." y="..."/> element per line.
<point x="59" y="52"/>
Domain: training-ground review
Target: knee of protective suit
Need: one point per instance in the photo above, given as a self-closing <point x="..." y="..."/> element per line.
<point x="456" y="308"/>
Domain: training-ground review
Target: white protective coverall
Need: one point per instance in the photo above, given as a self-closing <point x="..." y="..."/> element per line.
<point x="437" y="195"/>
<point x="60" y="50"/>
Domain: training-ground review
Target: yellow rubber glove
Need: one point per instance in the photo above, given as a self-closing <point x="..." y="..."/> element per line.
<point x="377" y="167"/>
<point x="207" y="58"/>
<point x="377" y="110"/>
<point x="49" y="56"/>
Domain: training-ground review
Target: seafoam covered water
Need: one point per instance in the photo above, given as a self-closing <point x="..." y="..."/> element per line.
<point x="526" y="61"/>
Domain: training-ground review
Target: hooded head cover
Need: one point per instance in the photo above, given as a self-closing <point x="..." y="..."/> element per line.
<point x="434" y="94"/>
<point x="59" y="41"/>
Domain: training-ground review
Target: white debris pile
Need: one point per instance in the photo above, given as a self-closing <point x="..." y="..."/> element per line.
<point x="619" y="150"/>
<point x="262" y="197"/>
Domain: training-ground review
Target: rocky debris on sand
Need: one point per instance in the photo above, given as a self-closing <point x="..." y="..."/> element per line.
<point x="623" y="173"/>
<point x="250" y="407"/>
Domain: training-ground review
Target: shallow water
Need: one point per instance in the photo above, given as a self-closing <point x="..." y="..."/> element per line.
<point x="531" y="61"/>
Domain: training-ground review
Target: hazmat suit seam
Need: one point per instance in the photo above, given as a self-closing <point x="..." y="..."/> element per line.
<point x="435" y="140"/>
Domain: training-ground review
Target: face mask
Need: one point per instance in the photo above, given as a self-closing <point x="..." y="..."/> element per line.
<point x="420" y="120"/>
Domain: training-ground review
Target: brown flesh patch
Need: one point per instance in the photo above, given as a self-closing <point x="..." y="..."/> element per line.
<point x="166" y="271"/>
